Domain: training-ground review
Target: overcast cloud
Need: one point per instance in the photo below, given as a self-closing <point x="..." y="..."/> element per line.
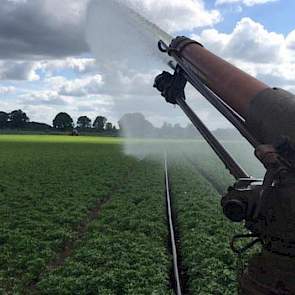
<point x="35" y="29"/>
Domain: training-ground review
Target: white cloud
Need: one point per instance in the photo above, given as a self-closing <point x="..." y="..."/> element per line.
<point x="176" y="15"/>
<point x="245" y="2"/>
<point x="64" y="12"/>
<point x="42" y="106"/>
<point x="79" y="65"/>
<point x="290" y="41"/>
<point x="267" y="55"/>
<point x="7" y="90"/>
<point x="17" y="1"/>
<point x="27" y="70"/>
<point x="249" y="41"/>
<point x="82" y="87"/>
<point x="136" y="84"/>
<point x="42" y="113"/>
<point x="113" y="83"/>
<point x="18" y="70"/>
<point x="46" y="97"/>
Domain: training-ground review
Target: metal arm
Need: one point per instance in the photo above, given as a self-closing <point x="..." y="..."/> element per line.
<point x="196" y="81"/>
<point x="172" y="88"/>
<point x="234" y="168"/>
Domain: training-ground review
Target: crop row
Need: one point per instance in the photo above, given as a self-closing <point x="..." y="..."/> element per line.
<point x="46" y="193"/>
<point x="125" y="250"/>
<point x="210" y="166"/>
<point x="49" y="192"/>
<point x="204" y="233"/>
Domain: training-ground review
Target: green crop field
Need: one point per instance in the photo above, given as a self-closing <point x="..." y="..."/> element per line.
<point x="78" y="216"/>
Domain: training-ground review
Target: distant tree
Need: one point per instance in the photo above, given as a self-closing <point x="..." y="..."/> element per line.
<point x="166" y="130"/>
<point x="84" y="122"/>
<point x="109" y="127"/>
<point x="3" y="119"/>
<point x="178" y="131"/>
<point x="99" y="123"/>
<point x="227" y="134"/>
<point x="18" y="119"/>
<point x="191" y="132"/>
<point x="63" y="121"/>
<point x="36" y="126"/>
<point x="136" y="125"/>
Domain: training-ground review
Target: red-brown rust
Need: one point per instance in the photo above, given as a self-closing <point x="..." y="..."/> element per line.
<point x="235" y="87"/>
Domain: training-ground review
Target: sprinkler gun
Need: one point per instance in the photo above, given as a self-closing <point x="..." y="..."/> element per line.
<point x="266" y="118"/>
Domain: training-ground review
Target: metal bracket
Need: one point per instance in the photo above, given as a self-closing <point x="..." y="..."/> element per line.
<point x="171" y="86"/>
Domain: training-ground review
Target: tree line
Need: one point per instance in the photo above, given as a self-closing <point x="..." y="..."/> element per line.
<point x="64" y="121"/>
<point x="136" y="125"/>
<point x="15" y="119"/>
<point x="130" y="125"/>
<point x="18" y="119"/>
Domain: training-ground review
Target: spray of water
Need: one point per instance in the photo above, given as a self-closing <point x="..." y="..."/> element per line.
<point x="121" y="38"/>
<point x="125" y="43"/>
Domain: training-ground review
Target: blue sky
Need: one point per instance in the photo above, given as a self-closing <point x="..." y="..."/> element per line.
<point x="275" y="16"/>
<point x="47" y="64"/>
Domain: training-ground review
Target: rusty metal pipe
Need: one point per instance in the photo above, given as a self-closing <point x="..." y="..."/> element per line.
<point x="235" y="87"/>
<point x="268" y="113"/>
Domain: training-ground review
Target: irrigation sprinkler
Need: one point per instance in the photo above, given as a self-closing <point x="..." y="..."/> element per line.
<point x="266" y="118"/>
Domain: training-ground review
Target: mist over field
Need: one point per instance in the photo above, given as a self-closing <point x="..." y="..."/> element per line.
<point x="131" y="42"/>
